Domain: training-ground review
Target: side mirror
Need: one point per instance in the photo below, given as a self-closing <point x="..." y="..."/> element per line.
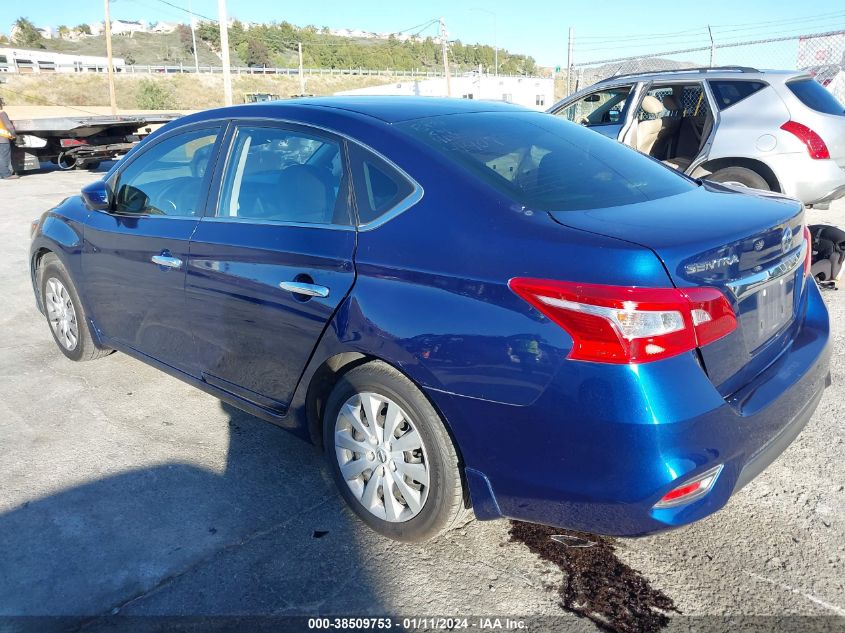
<point x="98" y="195"/>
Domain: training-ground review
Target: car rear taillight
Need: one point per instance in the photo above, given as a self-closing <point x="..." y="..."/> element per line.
<point x="815" y="145"/>
<point x="690" y="490"/>
<point x="621" y="324"/>
<point x="808" y="256"/>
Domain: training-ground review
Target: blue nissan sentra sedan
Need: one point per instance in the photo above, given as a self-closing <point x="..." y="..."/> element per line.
<point x="470" y="306"/>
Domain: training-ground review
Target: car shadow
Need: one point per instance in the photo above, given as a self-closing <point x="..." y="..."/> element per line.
<point x="267" y="535"/>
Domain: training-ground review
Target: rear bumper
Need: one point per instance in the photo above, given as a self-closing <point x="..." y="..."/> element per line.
<point x="811" y="181"/>
<point x="604" y="444"/>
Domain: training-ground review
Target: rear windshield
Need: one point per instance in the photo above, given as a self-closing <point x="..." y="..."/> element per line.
<point x="815" y="96"/>
<point x="545" y="163"/>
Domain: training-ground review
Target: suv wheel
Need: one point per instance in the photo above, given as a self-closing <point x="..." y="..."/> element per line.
<point x="740" y="176"/>
<point x="391" y="456"/>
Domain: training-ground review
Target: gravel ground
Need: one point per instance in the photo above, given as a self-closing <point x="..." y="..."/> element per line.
<point x="125" y="491"/>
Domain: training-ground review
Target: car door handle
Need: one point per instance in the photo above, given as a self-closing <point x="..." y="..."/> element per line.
<point x="309" y="290"/>
<point x="166" y="260"/>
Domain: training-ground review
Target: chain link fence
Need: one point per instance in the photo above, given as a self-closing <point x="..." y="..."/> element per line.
<point x="820" y="54"/>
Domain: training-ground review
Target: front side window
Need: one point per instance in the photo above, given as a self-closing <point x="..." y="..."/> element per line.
<point x="379" y="188"/>
<point x="815" y="96"/>
<point x="598" y="108"/>
<point x="281" y="175"/>
<point x="544" y="163"/>
<point x="168" y="178"/>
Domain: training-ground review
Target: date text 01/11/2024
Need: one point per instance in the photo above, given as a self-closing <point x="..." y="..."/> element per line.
<point x="418" y="624"/>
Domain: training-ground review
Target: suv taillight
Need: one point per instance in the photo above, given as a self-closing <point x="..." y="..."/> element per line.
<point x="815" y="145"/>
<point x="621" y="324"/>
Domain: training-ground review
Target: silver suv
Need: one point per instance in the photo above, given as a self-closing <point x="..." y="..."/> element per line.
<point x="775" y="130"/>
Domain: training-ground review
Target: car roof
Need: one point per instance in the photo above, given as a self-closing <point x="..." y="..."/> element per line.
<point x="388" y="108"/>
<point x="723" y="72"/>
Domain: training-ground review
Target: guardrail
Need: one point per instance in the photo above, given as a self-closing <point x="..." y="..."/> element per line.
<point x="143" y="69"/>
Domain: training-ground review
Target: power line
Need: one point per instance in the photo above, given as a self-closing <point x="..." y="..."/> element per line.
<point x="719" y="29"/>
<point x="812" y="17"/>
<point x="176" y="6"/>
<point x="704" y="40"/>
<point x="650" y="35"/>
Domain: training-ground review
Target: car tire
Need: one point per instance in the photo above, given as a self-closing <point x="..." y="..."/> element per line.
<point x="740" y="176"/>
<point x="64" y="312"/>
<point x="415" y="511"/>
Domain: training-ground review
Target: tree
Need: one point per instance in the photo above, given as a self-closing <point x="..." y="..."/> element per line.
<point x="84" y="29"/>
<point x="257" y="53"/>
<point x="63" y="31"/>
<point x="25" y="34"/>
<point x="185" y="38"/>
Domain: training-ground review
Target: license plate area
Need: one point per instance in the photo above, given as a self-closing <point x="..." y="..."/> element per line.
<point x="766" y="312"/>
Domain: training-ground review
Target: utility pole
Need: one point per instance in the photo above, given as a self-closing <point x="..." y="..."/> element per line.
<point x="224" y="49"/>
<point x="712" y="46"/>
<point x="569" y="60"/>
<point x="194" y="37"/>
<point x="112" y="96"/>
<point x="301" y="75"/>
<point x="444" y="40"/>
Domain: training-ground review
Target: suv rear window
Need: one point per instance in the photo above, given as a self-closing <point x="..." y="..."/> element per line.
<point x="545" y="163"/>
<point x="728" y="93"/>
<point x="815" y="96"/>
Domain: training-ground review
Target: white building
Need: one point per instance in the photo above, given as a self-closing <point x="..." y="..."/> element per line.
<point x="164" y="27"/>
<point x="128" y="27"/>
<point x="536" y="93"/>
<point x="20" y="60"/>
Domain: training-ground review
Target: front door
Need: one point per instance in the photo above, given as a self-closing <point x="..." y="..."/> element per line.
<point x="603" y="110"/>
<point x="271" y="261"/>
<point x="134" y="256"/>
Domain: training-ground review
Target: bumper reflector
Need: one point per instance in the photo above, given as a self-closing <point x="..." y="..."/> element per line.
<point x="691" y="490"/>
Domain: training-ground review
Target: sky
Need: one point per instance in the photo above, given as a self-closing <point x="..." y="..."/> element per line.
<point x="603" y="28"/>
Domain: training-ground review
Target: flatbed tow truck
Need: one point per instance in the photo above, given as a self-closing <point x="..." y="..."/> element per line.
<point x="79" y="142"/>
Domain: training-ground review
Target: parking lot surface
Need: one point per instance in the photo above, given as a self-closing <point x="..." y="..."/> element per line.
<point x="125" y="491"/>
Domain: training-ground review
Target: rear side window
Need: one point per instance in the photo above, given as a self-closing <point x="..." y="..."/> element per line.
<point x="379" y="187"/>
<point x="545" y="163"/>
<point x="277" y="174"/>
<point x="815" y="96"/>
<point x="728" y="93"/>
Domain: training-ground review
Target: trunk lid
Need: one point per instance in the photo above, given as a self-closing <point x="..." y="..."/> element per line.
<point x="748" y="245"/>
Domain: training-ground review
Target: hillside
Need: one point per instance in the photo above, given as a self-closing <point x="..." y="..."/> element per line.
<point x="141" y="48"/>
<point x="276" y="45"/>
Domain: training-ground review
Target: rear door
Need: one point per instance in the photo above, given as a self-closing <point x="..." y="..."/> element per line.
<point x="272" y="259"/>
<point x="605" y="110"/>
<point x="134" y="255"/>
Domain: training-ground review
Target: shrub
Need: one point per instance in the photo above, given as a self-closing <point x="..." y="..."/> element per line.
<point x="153" y="95"/>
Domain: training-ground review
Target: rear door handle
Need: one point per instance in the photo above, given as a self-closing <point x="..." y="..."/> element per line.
<point x="167" y="260"/>
<point x="309" y="290"/>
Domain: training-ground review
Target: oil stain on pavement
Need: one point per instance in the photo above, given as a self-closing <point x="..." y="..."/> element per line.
<point x="596" y="584"/>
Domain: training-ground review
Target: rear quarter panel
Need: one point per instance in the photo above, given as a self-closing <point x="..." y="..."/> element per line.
<point x="751" y="128"/>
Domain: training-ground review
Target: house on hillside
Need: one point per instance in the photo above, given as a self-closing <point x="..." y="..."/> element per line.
<point x="128" y="27"/>
<point x="164" y="27"/>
